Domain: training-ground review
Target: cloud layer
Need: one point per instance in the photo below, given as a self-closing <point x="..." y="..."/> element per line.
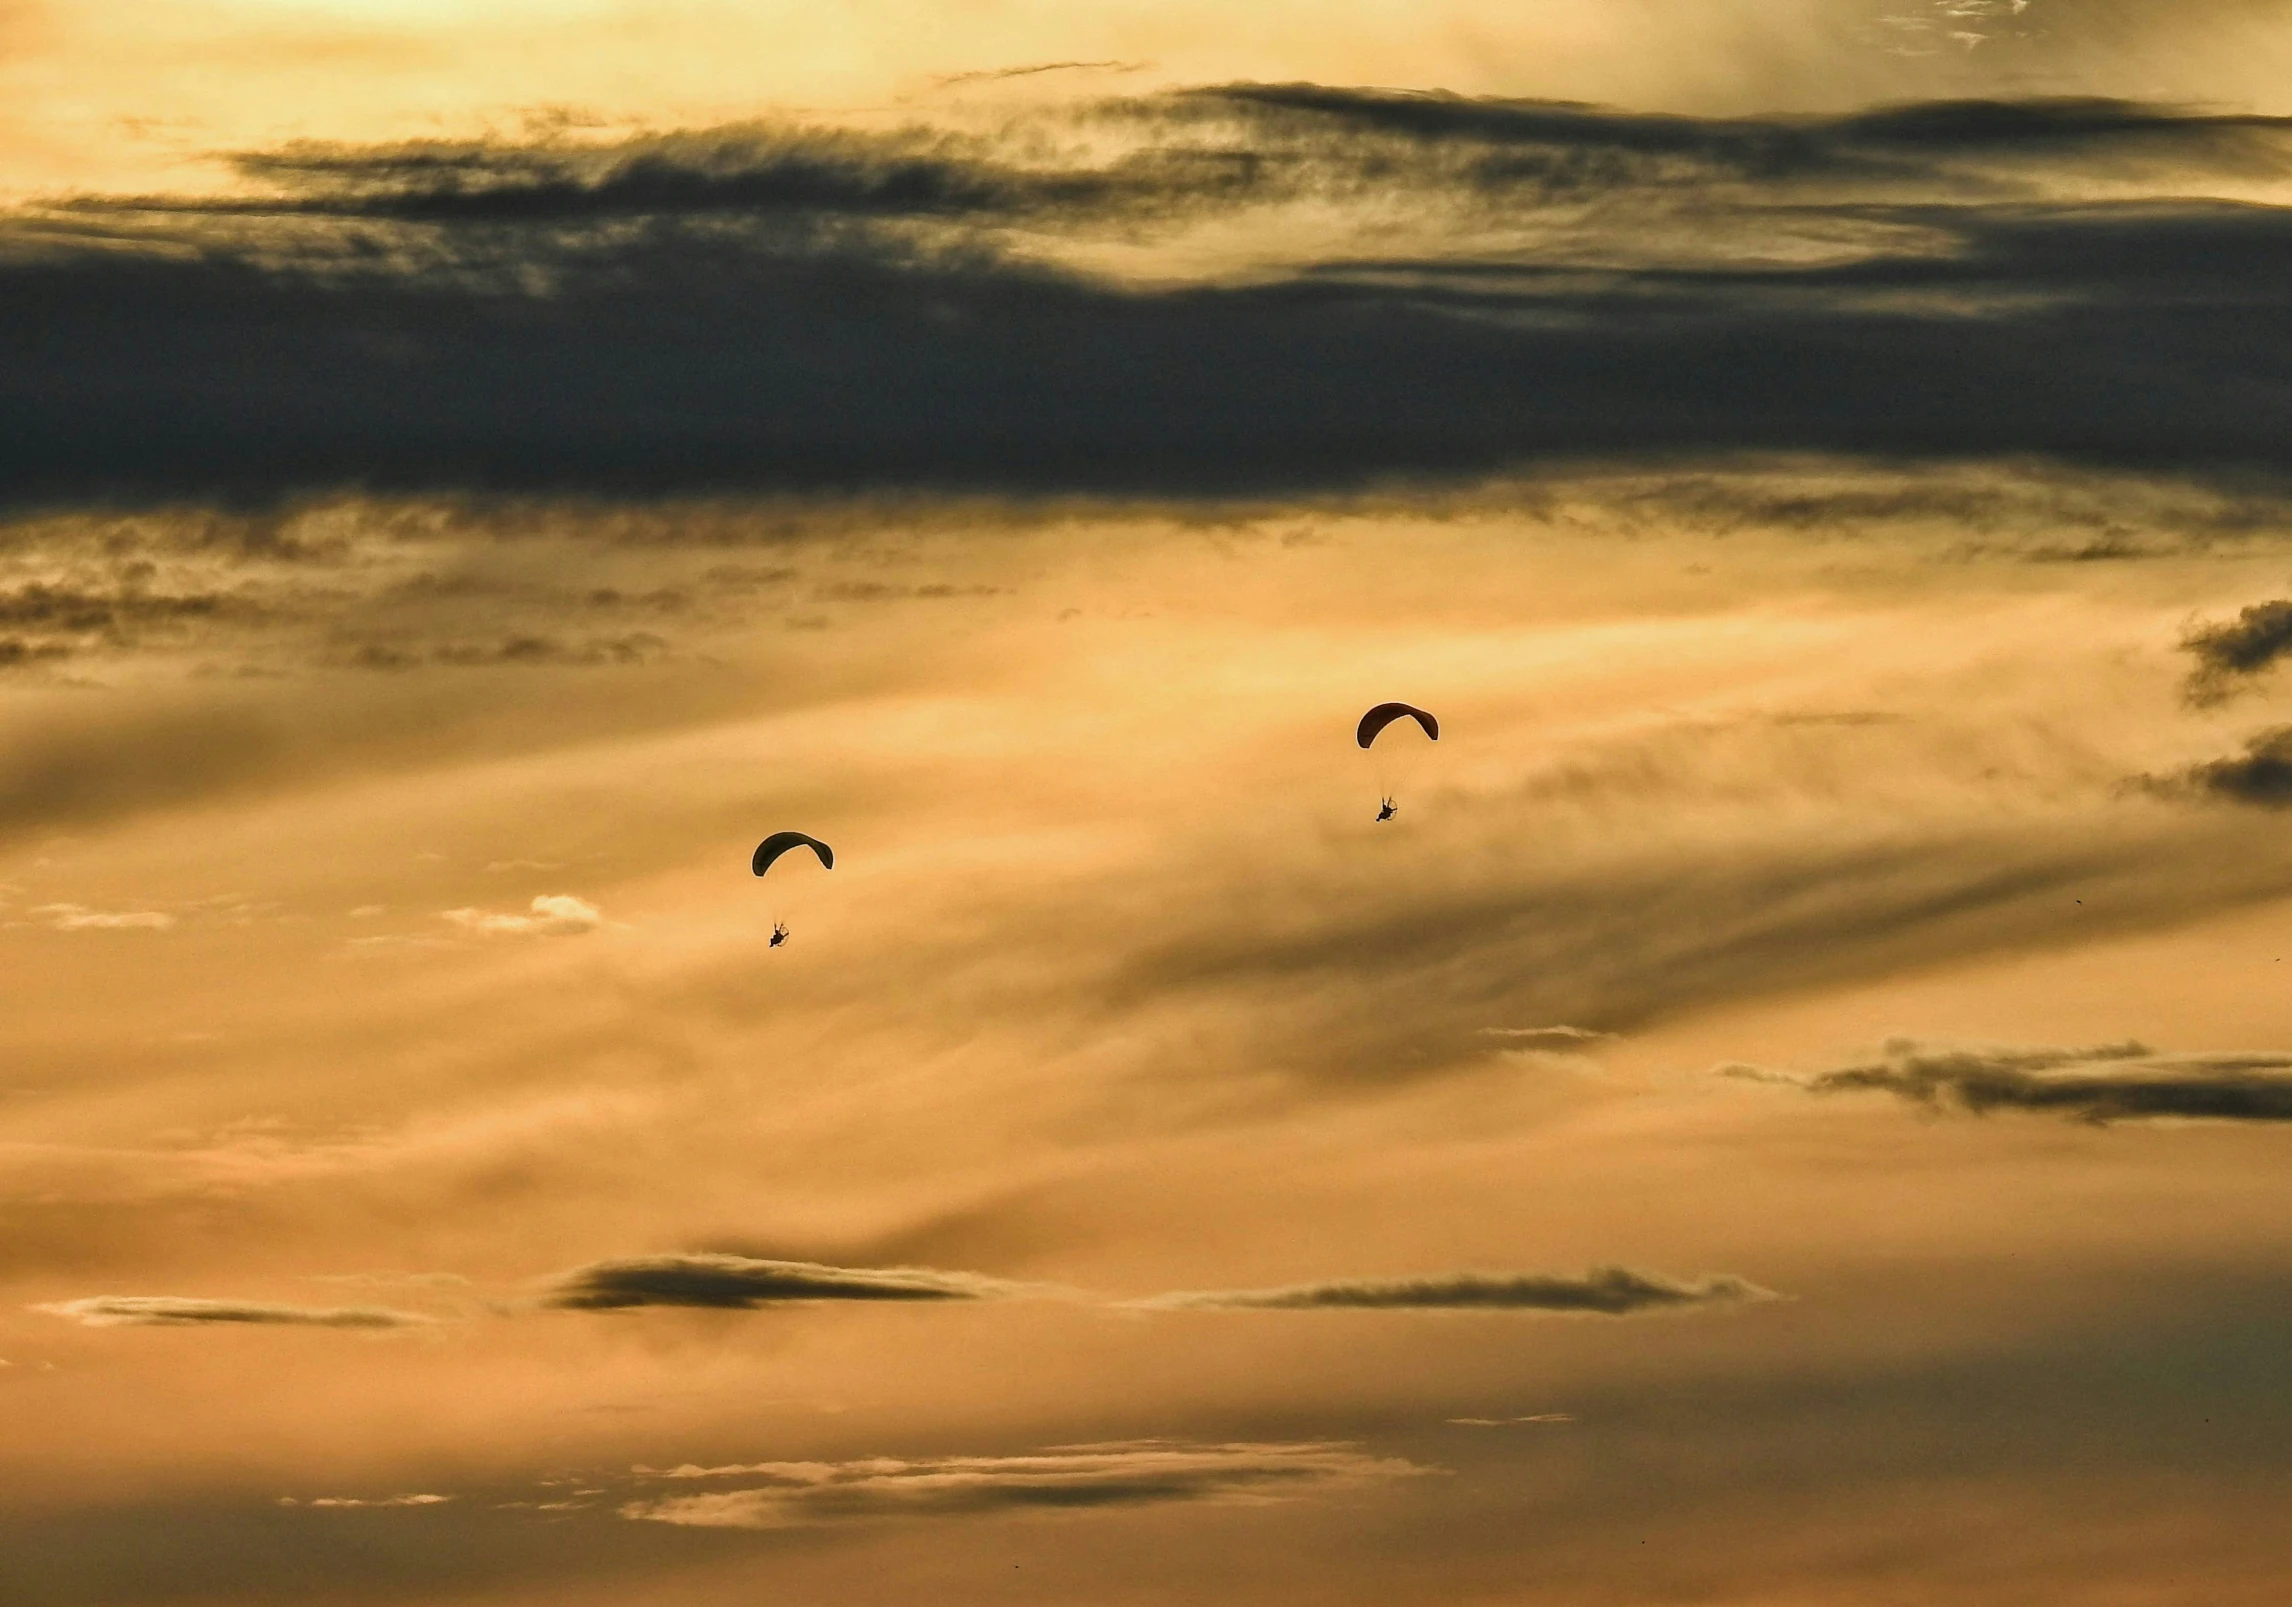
<point x="2103" y="1084"/>
<point x="789" y="306"/>
<point x="739" y="1283"/>
<point x="1070" y="1478"/>
<point x="1602" y="1291"/>
<point x="173" y="1311"/>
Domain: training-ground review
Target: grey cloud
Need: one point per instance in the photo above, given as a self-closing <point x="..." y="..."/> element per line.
<point x="647" y="319"/>
<point x="171" y="1311"/>
<point x="740" y="1283"/>
<point x="1602" y="1291"/>
<point x="637" y="647"/>
<point x="1066" y="1478"/>
<point x="2101" y="1084"/>
<point x="2230" y="653"/>
<point x="2261" y="774"/>
<point x="1186" y="152"/>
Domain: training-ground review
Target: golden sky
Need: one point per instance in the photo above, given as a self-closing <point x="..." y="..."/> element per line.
<point x="1791" y="1109"/>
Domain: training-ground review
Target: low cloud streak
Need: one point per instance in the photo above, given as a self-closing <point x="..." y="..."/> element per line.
<point x="1067" y="1478"/>
<point x="741" y="1283"/>
<point x="1602" y="1291"/>
<point x="2107" y="1083"/>
<point x="173" y="1311"/>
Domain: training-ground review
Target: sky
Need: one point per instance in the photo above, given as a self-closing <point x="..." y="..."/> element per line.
<point x="1791" y="1110"/>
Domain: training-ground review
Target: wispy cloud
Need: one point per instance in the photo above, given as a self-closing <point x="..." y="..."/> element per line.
<point x="1602" y="1291"/>
<point x="173" y="1311"/>
<point x="551" y="915"/>
<point x="2101" y="1084"/>
<point x="355" y="1501"/>
<point x="1562" y="1040"/>
<point x="1066" y="1478"/>
<point x="732" y="1282"/>
<point x="79" y="918"/>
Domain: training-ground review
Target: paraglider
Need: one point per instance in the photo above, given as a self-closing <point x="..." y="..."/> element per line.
<point x="780" y="842"/>
<point x="770" y="850"/>
<point x="1372" y="726"/>
<point x="1384" y="714"/>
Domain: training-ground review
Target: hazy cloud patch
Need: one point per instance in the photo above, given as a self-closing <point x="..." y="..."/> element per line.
<point x="1603" y="1291"/>
<point x="339" y="1501"/>
<point x="739" y="1283"/>
<point x="1066" y="1478"/>
<point x="2100" y="1084"/>
<point x="79" y="918"/>
<point x="551" y="915"/>
<point x="1548" y="1040"/>
<point x="171" y="1311"/>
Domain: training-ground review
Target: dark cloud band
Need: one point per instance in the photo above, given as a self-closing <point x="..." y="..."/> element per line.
<point x="805" y="309"/>
<point x="1603" y="1291"/>
<point x="2108" y="1083"/>
<point x="738" y="1283"/>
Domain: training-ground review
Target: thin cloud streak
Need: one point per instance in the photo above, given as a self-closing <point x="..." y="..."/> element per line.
<point x="1063" y="1479"/>
<point x="173" y="1311"/>
<point x="742" y="1283"/>
<point x="1603" y="1291"/>
<point x="2124" y="1082"/>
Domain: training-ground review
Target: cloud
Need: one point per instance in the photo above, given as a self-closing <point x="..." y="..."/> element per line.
<point x="2102" y="1084"/>
<point x="1603" y="1291"/>
<point x="353" y="1501"/>
<point x="1510" y="1422"/>
<point x="733" y="1282"/>
<point x="1562" y="1039"/>
<point x="2229" y="654"/>
<point x="1066" y="1478"/>
<point x="2261" y="774"/>
<point x="79" y="918"/>
<point x="553" y="915"/>
<point x="767" y="307"/>
<point x="171" y="1311"/>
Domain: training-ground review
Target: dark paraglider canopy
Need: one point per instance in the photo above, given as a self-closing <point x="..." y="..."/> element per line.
<point x="780" y="842"/>
<point x="1385" y="714"/>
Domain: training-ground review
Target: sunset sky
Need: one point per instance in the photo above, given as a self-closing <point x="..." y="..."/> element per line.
<point x="1792" y="1111"/>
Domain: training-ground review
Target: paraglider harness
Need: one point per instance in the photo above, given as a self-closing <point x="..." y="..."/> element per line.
<point x="1386" y="809"/>
<point x="779" y="933"/>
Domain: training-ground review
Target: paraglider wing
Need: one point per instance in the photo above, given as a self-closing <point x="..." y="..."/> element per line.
<point x="1385" y="714"/>
<point x="780" y="842"/>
